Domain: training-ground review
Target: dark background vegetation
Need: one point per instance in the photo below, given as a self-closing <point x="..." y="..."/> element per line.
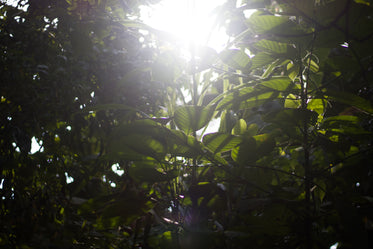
<point x="290" y="167"/>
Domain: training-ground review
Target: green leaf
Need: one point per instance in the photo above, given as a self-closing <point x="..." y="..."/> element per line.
<point x="291" y="101"/>
<point x="240" y="127"/>
<point x="115" y="209"/>
<point x="246" y="96"/>
<point x="148" y="174"/>
<point x="142" y="137"/>
<point x="344" y="124"/>
<point x="291" y="117"/>
<point x="180" y="144"/>
<point x="220" y="142"/>
<point x="258" y="100"/>
<point x="363" y="2"/>
<point x="350" y="99"/>
<point x="349" y="131"/>
<point x="270" y="68"/>
<point x="261" y="59"/>
<point x="235" y="58"/>
<point x="193" y="118"/>
<point x="265" y="143"/>
<point x="340" y="120"/>
<point x="227" y="121"/>
<point x="317" y="105"/>
<point x="145" y="145"/>
<point x="293" y="70"/>
<point x="316" y="79"/>
<point x="263" y="23"/>
<point x="278" y="83"/>
<point x="272" y="46"/>
<point x="235" y="96"/>
<point x="253" y="149"/>
<point x="312" y="65"/>
<point x="252" y="130"/>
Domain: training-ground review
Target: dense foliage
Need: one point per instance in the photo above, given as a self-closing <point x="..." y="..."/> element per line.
<point x="103" y="95"/>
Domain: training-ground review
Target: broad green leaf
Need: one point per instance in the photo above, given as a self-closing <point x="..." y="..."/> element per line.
<point x="148" y="174"/>
<point x="235" y="58"/>
<point x="253" y="148"/>
<point x="259" y="99"/>
<point x="265" y="143"/>
<point x="317" y="105"/>
<point x="312" y="65"/>
<point x="144" y="144"/>
<point x="264" y="23"/>
<point x="145" y="137"/>
<point x="277" y="83"/>
<point x="252" y="130"/>
<point x="126" y="205"/>
<point x="180" y="144"/>
<point x="316" y="80"/>
<point x="349" y="131"/>
<point x="240" y="127"/>
<point x="340" y="120"/>
<point x="363" y="2"/>
<point x="293" y="70"/>
<point x="272" y="46"/>
<point x="247" y="96"/>
<point x="142" y="126"/>
<point x="261" y="59"/>
<point x="291" y="117"/>
<point x="235" y="96"/>
<point x="227" y="121"/>
<point x="193" y="118"/>
<point x="344" y="124"/>
<point x="220" y="142"/>
<point x="350" y="99"/>
<point x="291" y="101"/>
<point x="270" y="69"/>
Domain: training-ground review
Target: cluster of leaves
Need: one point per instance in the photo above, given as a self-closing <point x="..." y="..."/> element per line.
<point x="289" y="167"/>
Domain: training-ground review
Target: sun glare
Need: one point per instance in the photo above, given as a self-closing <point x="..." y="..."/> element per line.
<point x="191" y="21"/>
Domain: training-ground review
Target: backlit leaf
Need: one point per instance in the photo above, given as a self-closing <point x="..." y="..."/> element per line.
<point x="219" y="142"/>
<point x="277" y="83"/>
<point x="235" y="58"/>
<point x="261" y="59"/>
<point x="291" y="101"/>
<point x="264" y="23"/>
<point x="317" y="105"/>
<point x="240" y="127"/>
<point x="272" y="46"/>
<point x="193" y="118"/>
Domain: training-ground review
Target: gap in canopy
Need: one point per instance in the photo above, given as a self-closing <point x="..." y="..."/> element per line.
<point x="190" y="21"/>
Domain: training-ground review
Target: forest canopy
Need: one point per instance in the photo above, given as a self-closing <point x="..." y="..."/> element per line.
<point x="125" y="159"/>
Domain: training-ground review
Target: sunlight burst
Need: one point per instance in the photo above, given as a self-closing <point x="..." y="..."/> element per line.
<point x="191" y="21"/>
